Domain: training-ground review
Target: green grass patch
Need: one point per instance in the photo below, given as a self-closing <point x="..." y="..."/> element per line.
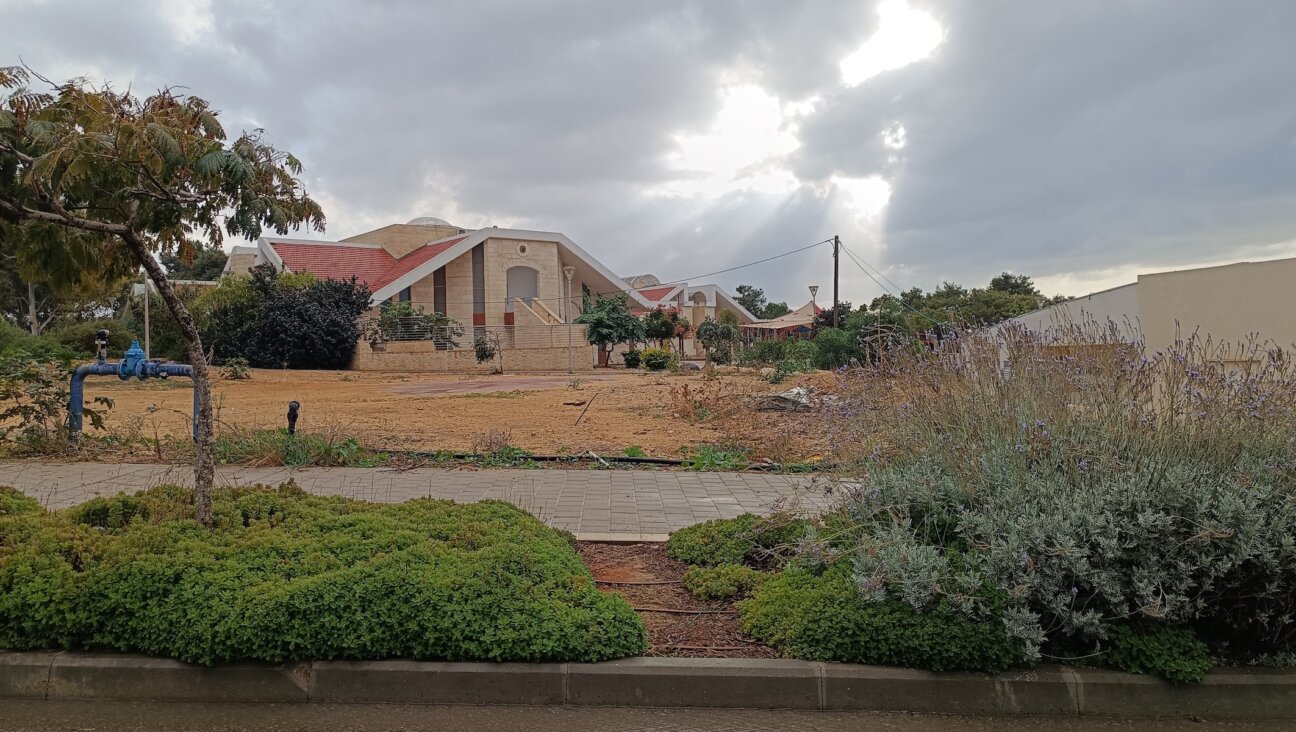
<point x="287" y="576"/>
<point x="716" y="458"/>
<point x="277" y="447"/>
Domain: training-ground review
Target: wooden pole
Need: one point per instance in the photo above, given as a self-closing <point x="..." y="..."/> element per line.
<point x="836" y="262"/>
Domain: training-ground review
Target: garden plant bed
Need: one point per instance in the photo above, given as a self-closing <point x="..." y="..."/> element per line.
<point x="647" y="578"/>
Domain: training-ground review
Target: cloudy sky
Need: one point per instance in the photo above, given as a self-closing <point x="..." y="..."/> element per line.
<point x="1078" y="142"/>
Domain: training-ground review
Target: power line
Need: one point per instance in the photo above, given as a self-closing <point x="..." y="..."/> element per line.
<point x="749" y="264"/>
<point x="898" y="299"/>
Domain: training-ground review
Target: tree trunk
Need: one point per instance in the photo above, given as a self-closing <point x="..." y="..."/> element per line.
<point x="32" y="320"/>
<point x="205" y="466"/>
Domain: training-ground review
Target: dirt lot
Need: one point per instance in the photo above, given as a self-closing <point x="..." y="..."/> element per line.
<point x="662" y="414"/>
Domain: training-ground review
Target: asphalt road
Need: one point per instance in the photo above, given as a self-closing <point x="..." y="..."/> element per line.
<point x="48" y="716"/>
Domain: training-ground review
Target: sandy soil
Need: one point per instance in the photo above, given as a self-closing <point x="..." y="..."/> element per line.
<point x="660" y="413"/>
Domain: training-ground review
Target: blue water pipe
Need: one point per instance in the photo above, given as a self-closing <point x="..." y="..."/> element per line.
<point x="133" y="364"/>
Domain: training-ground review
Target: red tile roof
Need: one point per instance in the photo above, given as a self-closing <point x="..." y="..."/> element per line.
<point x="654" y="294"/>
<point x="371" y="265"/>
<point x="407" y="263"/>
<point x="335" y="261"/>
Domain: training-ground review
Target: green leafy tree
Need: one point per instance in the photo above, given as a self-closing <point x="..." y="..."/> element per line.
<point x="753" y="300"/>
<point x="825" y="317"/>
<point x="608" y="321"/>
<point x="144" y="175"/>
<point x="664" y="324"/>
<point x="1014" y="284"/>
<point x="206" y="263"/>
<point x="718" y="339"/>
<point x="48" y="273"/>
<point x="835" y="347"/>
<point x="773" y="310"/>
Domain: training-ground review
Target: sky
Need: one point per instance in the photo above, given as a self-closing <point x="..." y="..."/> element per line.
<point x="1079" y="143"/>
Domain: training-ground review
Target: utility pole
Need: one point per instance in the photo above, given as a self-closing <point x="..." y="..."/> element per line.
<point x="836" y="262"/>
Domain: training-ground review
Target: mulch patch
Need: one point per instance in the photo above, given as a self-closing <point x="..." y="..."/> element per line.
<point x="712" y="633"/>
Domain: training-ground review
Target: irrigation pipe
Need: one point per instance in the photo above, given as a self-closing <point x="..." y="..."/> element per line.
<point x="625" y="459"/>
<point x="676" y="611"/>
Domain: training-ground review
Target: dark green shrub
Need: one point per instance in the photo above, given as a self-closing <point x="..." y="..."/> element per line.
<point x="745" y="538"/>
<point x="825" y="618"/>
<point x="835" y="347"/>
<point x="723" y="582"/>
<point x="485" y="347"/>
<point x="718" y="339"/>
<point x="10" y="335"/>
<point x="765" y="352"/>
<point x="13" y="502"/>
<point x="286" y="321"/>
<point x="631" y="358"/>
<point x="236" y="369"/>
<point x="1172" y="653"/>
<point x="286" y="576"/>
<point x="79" y="338"/>
<point x="657" y="359"/>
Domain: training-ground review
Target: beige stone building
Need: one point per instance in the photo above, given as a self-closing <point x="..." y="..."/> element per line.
<point x="695" y="302"/>
<point x="1230" y="304"/>
<point x="522" y="286"/>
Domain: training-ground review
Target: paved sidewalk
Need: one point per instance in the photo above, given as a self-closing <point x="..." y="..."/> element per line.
<point x="594" y="504"/>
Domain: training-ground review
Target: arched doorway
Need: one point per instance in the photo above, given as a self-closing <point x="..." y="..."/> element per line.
<point x="698" y="316"/>
<point x="521" y="283"/>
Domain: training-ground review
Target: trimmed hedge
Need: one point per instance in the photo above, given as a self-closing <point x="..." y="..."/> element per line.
<point x="287" y="576"/>
<point x="825" y="618"/>
<point x="747" y="538"/>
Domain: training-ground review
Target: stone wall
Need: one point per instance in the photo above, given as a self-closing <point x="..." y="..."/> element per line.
<point x="527" y="349"/>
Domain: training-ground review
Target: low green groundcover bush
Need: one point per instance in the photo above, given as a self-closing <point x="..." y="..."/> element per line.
<point x="13" y="503"/>
<point x="826" y="618"/>
<point x="745" y="538"/>
<point x="1172" y="653"/>
<point x="657" y="359"/>
<point x="723" y="582"/>
<point x="287" y="576"/>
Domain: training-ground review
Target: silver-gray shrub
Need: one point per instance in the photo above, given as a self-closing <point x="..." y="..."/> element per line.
<point x="1089" y="485"/>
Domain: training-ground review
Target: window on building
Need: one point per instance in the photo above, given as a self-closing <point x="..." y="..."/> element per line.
<point x="404" y="295"/>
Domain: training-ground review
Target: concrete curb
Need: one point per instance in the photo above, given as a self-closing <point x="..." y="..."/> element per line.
<point x="656" y="682"/>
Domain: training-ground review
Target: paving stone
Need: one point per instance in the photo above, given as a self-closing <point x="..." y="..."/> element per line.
<point x="623" y="503"/>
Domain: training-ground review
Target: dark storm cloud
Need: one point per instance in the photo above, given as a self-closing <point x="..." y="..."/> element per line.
<point x="1042" y="137"/>
<point x="1047" y="137"/>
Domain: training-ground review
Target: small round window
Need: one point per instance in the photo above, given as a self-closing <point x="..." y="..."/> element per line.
<point x="522" y="248"/>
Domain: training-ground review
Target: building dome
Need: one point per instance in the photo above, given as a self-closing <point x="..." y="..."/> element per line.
<point x="429" y="221"/>
<point x="643" y="280"/>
